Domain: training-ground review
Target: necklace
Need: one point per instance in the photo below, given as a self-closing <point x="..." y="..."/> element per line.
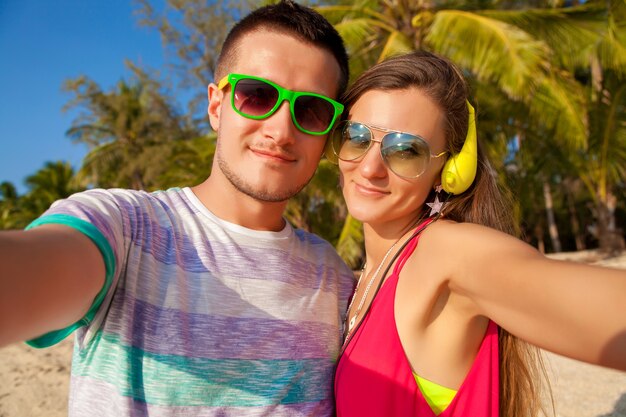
<point x="367" y="289"/>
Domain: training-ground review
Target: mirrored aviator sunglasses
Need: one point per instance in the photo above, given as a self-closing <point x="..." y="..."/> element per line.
<point x="257" y="98"/>
<point x="406" y="155"/>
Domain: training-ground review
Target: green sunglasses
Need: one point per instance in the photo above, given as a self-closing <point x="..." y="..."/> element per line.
<point x="257" y="98"/>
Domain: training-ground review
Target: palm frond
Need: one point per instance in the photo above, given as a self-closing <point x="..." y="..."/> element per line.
<point x="612" y="52"/>
<point x="350" y="243"/>
<point x="336" y="14"/>
<point x="571" y="40"/>
<point x="491" y="49"/>
<point x="355" y="32"/>
<point x="558" y="103"/>
<point x="397" y="43"/>
<point x="109" y="153"/>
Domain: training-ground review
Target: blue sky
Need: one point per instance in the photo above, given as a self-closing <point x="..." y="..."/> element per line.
<point x="43" y="43"/>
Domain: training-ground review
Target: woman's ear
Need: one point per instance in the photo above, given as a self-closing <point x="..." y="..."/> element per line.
<point x="215" y="105"/>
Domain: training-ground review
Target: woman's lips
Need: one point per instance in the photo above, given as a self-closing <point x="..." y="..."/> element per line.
<point x="370" y="191"/>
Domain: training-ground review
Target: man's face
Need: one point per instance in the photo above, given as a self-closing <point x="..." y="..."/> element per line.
<point x="270" y="159"/>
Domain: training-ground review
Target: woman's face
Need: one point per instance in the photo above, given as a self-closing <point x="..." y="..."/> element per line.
<point x="373" y="193"/>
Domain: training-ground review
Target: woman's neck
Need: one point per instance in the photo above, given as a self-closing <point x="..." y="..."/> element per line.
<point x="380" y="238"/>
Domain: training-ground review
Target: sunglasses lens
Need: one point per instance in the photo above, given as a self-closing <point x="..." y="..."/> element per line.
<point x="405" y="154"/>
<point x="254" y="97"/>
<point x="313" y="113"/>
<point x="351" y="140"/>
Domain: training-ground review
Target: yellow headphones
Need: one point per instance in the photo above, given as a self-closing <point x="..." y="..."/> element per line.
<point x="459" y="170"/>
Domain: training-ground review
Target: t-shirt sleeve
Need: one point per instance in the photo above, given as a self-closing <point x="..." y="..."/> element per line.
<point x="101" y="216"/>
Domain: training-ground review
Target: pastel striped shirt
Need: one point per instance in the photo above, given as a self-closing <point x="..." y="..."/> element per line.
<point x="201" y="317"/>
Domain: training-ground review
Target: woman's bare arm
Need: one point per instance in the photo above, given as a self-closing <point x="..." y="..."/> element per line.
<point x="572" y="309"/>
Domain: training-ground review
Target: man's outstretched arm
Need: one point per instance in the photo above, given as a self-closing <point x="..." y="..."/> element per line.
<point x="49" y="277"/>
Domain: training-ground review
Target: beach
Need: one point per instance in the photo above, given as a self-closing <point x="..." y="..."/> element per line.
<point x="34" y="382"/>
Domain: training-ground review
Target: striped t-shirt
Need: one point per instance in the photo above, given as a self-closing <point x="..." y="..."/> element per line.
<point x="201" y="317"/>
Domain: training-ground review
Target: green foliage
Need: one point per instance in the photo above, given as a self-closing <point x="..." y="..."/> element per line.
<point x="350" y="243"/>
<point x="319" y="207"/>
<point x="131" y="131"/>
<point x="56" y="180"/>
<point x="189" y="163"/>
<point x="524" y="62"/>
<point x="9" y="207"/>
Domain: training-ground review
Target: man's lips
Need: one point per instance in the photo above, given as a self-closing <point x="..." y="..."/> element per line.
<point x="273" y="154"/>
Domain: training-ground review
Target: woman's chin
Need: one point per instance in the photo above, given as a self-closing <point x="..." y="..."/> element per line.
<point x="363" y="215"/>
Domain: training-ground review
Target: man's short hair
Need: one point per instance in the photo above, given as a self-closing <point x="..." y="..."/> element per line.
<point x="292" y="19"/>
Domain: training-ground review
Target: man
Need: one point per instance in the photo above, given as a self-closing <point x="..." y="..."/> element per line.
<point x="204" y="300"/>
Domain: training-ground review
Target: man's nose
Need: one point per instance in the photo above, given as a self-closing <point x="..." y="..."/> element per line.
<point x="279" y="126"/>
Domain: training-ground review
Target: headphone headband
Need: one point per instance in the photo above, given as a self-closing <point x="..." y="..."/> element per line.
<point x="459" y="170"/>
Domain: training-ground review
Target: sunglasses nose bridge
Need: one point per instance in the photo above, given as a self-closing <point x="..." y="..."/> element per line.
<point x="372" y="163"/>
<point x="290" y="97"/>
<point x="287" y="122"/>
<point x="367" y="152"/>
<point x="280" y="99"/>
<point x="379" y="142"/>
<point x="282" y="96"/>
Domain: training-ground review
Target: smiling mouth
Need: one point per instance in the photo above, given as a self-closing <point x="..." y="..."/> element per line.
<point x="273" y="155"/>
<point x="369" y="190"/>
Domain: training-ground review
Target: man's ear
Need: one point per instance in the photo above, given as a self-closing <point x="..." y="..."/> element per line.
<point x="215" y="105"/>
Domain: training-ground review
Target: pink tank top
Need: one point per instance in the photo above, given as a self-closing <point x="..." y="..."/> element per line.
<point x="374" y="378"/>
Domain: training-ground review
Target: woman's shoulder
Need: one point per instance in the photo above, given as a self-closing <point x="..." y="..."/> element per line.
<point x="449" y="233"/>
<point x="459" y="244"/>
<point x="445" y="235"/>
<point x="470" y="246"/>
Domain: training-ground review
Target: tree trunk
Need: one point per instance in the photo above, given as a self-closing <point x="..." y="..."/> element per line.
<point x="538" y="231"/>
<point x="137" y="180"/>
<point x="571" y="205"/>
<point x="609" y="236"/>
<point x="554" y="231"/>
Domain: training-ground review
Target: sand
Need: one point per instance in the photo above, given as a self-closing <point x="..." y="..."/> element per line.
<point x="34" y="382"/>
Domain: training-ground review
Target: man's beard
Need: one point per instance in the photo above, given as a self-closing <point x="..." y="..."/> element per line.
<point x="262" y="195"/>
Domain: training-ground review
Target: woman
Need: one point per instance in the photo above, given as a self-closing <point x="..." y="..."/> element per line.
<point x="446" y="298"/>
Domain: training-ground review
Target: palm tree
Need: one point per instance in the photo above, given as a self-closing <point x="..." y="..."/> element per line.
<point x="55" y="181"/>
<point x="9" y="206"/>
<point x="597" y="55"/>
<point x="189" y="162"/>
<point x="130" y="131"/>
<point x="522" y="63"/>
<point x="602" y="168"/>
<point x="483" y="42"/>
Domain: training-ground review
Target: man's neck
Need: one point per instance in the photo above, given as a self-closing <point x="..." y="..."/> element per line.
<point x="222" y="199"/>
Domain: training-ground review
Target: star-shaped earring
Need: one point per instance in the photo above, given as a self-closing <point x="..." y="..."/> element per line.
<point x="436" y="206"/>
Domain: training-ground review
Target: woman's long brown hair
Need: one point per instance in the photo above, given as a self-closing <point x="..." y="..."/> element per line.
<point x="522" y="372"/>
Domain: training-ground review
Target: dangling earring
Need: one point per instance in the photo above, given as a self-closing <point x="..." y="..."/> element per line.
<point x="437" y="205"/>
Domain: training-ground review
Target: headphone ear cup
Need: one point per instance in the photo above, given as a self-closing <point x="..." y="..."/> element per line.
<point x="459" y="170"/>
